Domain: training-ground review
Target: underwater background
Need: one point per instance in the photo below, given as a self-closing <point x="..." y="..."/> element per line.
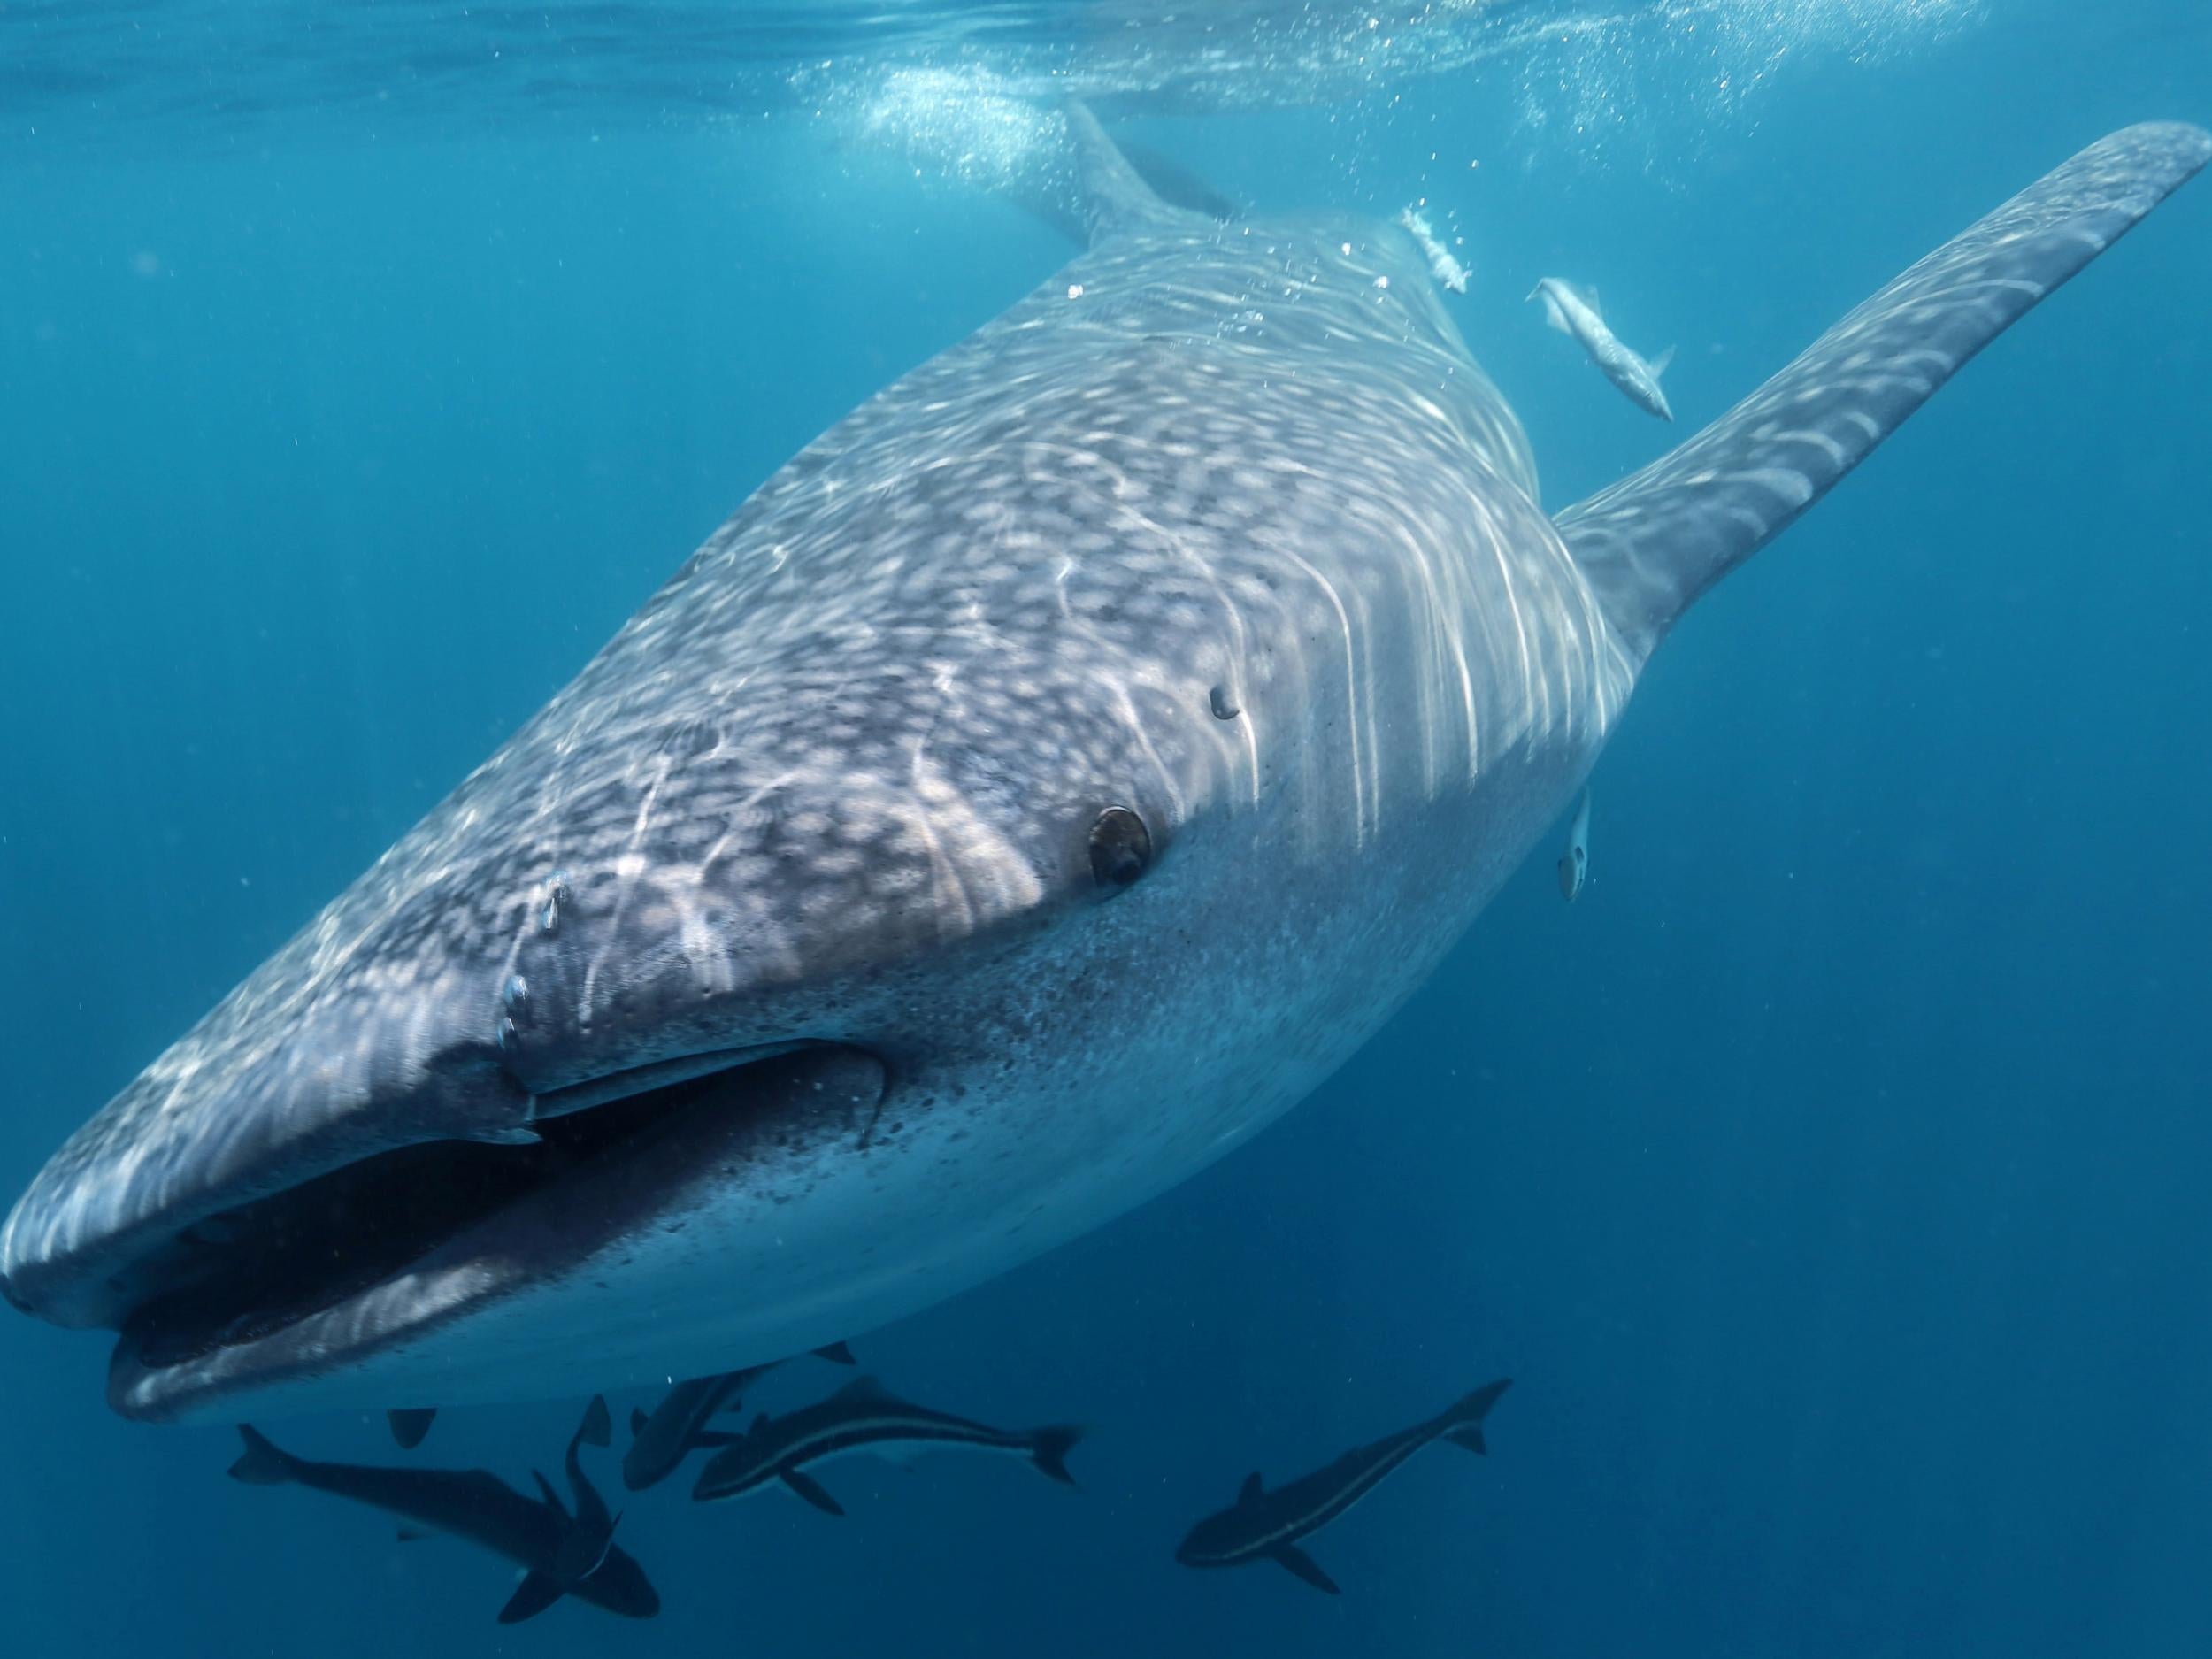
<point x="1831" y="1176"/>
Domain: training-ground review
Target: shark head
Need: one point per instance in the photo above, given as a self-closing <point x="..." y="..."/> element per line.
<point x="913" y="883"/>
<point x="748" y="956"/>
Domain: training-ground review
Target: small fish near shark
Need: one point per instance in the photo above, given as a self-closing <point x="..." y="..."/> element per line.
<point x="1193" y="631"/>
<point x="1574" y="312"/>
<point x="863" y="1418"/>
<point x="661" y="1438"/>
<point x="1264" y="1526"/>
<point x="1574" y="863"/>
<point x="586" y="1536"/>
<point x="560" y="1553"/>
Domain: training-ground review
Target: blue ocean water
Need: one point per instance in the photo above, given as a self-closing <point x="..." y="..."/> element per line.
<point x="1829" y="1176"/>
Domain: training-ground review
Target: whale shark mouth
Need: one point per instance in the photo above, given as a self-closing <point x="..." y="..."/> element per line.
<point x="320" y="1275"/>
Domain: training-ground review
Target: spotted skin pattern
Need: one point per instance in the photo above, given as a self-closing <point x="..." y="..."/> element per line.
<point x="833" y="783"/>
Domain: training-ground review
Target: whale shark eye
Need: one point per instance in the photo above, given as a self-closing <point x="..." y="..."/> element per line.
<point x="1121" y="849"/>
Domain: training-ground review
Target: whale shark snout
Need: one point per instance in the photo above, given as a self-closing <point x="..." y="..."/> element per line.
<point x="509" y="1054"/>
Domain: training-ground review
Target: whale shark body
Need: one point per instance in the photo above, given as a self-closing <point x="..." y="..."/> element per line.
<point x="1044" y="779"/>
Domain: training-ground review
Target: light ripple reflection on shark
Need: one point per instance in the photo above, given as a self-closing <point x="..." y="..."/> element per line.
<point x="1045" y="779"/>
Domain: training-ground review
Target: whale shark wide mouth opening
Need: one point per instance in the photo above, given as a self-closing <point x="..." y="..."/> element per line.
<point x="251" y="1273"/>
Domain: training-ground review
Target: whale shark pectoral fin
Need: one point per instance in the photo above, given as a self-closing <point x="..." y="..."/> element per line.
<point x="1305" y="1566"/>
<point x="1652" y="543"/>
<point x="1251" y="1489"/>
<point x="812" y="1490"/>
<point x="537" y="1592"/>
<point x="1658" y="364"/>
<point x="638" y="1420"/>
<point x="1553" y="315"/>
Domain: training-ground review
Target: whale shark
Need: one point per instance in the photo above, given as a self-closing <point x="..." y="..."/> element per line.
<point x="1043" y="781"/>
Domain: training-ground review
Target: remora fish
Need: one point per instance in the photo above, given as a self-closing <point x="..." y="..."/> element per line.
<point x="1264" y="1525"/>
<point x="1575" y="312"/>
<point x="1574" y="863"/>
<point x="861" y="1418"/>
<point x="887" y="902"/>
<point x="586" y="1536"/>
<point x="660" y="1440"/>
<point x="536" y="1534"/>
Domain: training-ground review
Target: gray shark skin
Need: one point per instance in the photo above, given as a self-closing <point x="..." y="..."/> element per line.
<point x="1045" y="779"/>
<point x="1575" y="313"/>
<point x="1264" y="1525"/>
<point x="536" y="1533"/>
<point x="862" y="1417"/>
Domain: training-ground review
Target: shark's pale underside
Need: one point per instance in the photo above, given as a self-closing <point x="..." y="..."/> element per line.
<point x="1043" y="780"/>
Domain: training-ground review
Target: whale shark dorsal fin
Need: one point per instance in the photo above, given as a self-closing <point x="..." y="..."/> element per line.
<point x="1251" y="1489"/>
<point x="1113" y="198"/>
<point x="862" y="1388"/>
<point x="1652" y="543"/>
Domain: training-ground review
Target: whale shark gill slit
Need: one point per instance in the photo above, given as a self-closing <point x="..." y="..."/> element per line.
<point x="1656" y="541"/>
